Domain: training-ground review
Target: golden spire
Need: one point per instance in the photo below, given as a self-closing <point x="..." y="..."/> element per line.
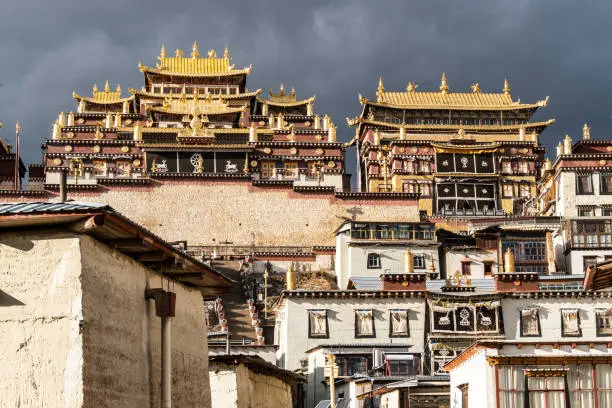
<point x="586" y="132"/>
<point x="443" y="85"/>
<point x="506" y="87"/>
<point x="194" y="50"/>
<point x="380" y="90"/>
<point x="95" y="89"/>
<point x="118" y="89"/>
<point x="226" y="54"/>
<point x="293" y="91"/>
<point x="281" y="89"/>
<point x="178" y="53"/>
<point x="107" y="86"/>
<point x="17" y="128"/>
<point x="212" y="54"/>
<point x="411" y="87"/>
<point x="162" y="53"/>
<point x="476" y="87"/>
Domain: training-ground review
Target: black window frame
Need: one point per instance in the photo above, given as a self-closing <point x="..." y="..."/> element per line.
<point x="563" y="333"/>
<point x="407" y="314"/>
<point x="599" y="314"/>
<point x="579" y="184"/>
<point x="364" y="336"/>
<point x="318" y="336"/>
<point x="522" y="326"/>
<point x="373" y="255"/>
<point x="602" y="190"/>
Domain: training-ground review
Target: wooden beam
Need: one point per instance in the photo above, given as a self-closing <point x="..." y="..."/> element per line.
<point x="87" y="225"/>
<point x="124" y="242"/>
<point x="152" y="256"/>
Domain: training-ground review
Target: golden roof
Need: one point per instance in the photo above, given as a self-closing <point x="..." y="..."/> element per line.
<point x="285" y="99"/>
<point x="446" y="99"/>
<point x="360" y="120"/>
<point x="107" y="96"/>
<point x="190" y="96"/>
<point x="211" y="65"/>
<point x="178" y="104"/>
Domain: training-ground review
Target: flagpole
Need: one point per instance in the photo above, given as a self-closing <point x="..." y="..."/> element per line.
<point x="17" y="178"/>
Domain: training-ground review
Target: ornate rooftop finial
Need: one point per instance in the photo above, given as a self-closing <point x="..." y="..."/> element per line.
<point x="194" y="50"/>
<point x="476" y="87"/>
<point x="162" y="53"/>
<point x="506" y="87"/>
<point x="17" y="128"/>
<point x="118" y="89"/>
<point x="226" y="53"/>
<point x="212" y="54"/>
<point x="95" y="89"/>
<point x="107" y="86"/>
<point x="178" y="53"/>
<point x="586" y="132"/>
<point x="443" y="84"/>
<point x="281" y="89"/>
<point x="411" y="87"/>
<point x="293" y="91"/>
<point x="380" y="90"/>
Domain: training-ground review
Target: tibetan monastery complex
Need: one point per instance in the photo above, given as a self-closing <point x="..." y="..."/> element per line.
<point x="460" y="268"/>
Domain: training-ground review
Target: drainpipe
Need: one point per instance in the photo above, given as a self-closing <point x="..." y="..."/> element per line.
<point x="165" y="307"/>
<point x="63" y="188"/>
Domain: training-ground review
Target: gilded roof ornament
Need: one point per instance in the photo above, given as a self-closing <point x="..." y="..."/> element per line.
<point x="506" y="87"/>
<point x="475" y="87"/>
<point x="194" y="50"/>
<point x="95" y="89"/>
<point x="107" y="86"/>
<point x="586" y="132"/>
<point x="212" y="54"/>
<point x="443" y="84"/>
<point x="411" y="87"/>
<point x="162" y="53"/>
<point x="380" y="90"/>
<point x="178" y="53"/>
<point x="226" y="54"/>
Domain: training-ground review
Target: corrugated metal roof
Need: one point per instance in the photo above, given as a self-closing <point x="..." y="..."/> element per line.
<point x="560" y="277"/>
<point x="41" y="207"/>
<point x="340" y="403"/>
<point x="367" y="282"/>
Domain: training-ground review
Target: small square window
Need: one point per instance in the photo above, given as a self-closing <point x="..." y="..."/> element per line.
<point x="373" y="261"/>
<point x="317" y="324"/>
<point x="570" y="323"/>
<point x="398" y="325"/>
<point x="584" y="184"/>
<point x="466" y="268"/>
<point x="364" y="323"/>
<point x="606" y="183"/>
<point x="586" y="211"/>
<point x="488" y="268"/>
<point x="419" y="261"/>
<point x="530" y="322"/>
<point x="604" y="322"/>
<point x="508" y="189"/>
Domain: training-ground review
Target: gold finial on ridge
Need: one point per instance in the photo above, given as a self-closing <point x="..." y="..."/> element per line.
<point x="162" y="53"/>
<point x="476" y="87"/>
<point x="212" y="54"/>
<point x="506" y="87"/>
<point x="107" y="86"/>
<point x="293" y="91"/>
<point x="281" y="89"/>
<point x="118" y="89"/>
<point x="17" y="128"/>
<point x="95" y="89"/>
<point x="380" y="90"/>
<point x="226" y="54"/>
<point x="443" y="84"/>
<point x="178" y="53"/>
<point x="586" y="132"/>
<point x="411" y="87"/>
<point x="194" y="50"/>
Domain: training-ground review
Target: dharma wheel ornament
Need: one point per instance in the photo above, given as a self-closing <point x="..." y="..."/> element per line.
<point x="331" y="164"/>
<point x="57" y="161"/>
<point x="136" y="163"/>
<point x="125" y="149"/>
<point x="253" y="163"/>
<point x="267" y="150"/>
<point x="96" y="149"/>
<point x="67" y="148"/>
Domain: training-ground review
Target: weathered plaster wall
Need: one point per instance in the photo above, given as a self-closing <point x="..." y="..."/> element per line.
<point x="568" y="200"/>
<point x="575" y="259"/>
<point x="200" y="211"/>
<point x="40" y="311"/>
<point x="481" y="387"/>
<point x="224" y="389"/>
<point x="121" y="335"/>
<point x="453" y="262"/>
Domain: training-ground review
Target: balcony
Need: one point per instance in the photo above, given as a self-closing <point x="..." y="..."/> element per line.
<point x="393" y="232"/>
<point x="590" y="234"/>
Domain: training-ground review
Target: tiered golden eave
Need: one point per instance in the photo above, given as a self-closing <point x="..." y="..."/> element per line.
<point x="359" y="120"/>
<point x="105" y="97"/>
<point x="288" y="104"/>
<point x="194" y="66"/>
<point x="243" y="95"/>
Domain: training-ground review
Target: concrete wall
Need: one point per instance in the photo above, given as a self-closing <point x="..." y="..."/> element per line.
<point x="390" y="399"/>
<point x="75" y="328"/>
<point x="354" y="260"/>
<point x="203" y="211"/>
<point x="550" y="317"/>
<point x="223" y="385"/>
<point x="120" y="323"/>
<point x="294" y="341"/>
<point x="481" y="387"/>
<point x="41" y="363"/>
<point x="453" y="260"/>
<point x="568" y="200"/>
<point x="575" y="262"/>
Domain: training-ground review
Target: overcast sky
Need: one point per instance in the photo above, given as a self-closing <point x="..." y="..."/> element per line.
<point x="335" y="50"/>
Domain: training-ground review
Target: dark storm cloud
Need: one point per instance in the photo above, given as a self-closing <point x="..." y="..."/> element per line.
<point x="332" y="49"/>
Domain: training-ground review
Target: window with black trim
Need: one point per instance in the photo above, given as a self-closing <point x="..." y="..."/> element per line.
<point x="524" y="190"/>
<point x="508" y="189"/>
<point x="586" y="211"/>
<point x="318" y="326"/>
<point x="606" y="211"/>
<point x="398" y="323"/>
<point x="530" y="323"/>
<point x="373" y="261"/>
<point x="570" y="323"/>
<point x="466" y="268"/>
<point x="584" y="184"/>
<point x="605" y="184"/>
<point x="604" y="322"/>
<point x="488" y="268"/>
<point x="364" y="323"/>
<point x="588" y="261"/>
<point x="419" y="261"/>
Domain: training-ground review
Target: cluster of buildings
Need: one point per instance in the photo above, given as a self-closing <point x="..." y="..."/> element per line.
<point x="466" y="269"/>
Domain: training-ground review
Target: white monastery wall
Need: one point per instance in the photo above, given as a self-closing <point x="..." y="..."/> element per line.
<point x="224" y="389"/>
<point x="481" y="386"/>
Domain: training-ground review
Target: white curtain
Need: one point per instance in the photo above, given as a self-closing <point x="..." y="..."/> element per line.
<point x="399" y="322"/>
<point x="570" y="322"/>
<point x="542" y="389"/>
<point x="603" y="374"/>
<point x="580" y="384"/>
<point x="364" y="322"/>
<point x="530" y="319"/>
<point x="318" y="324"/>
<point x="511" y="387"/>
